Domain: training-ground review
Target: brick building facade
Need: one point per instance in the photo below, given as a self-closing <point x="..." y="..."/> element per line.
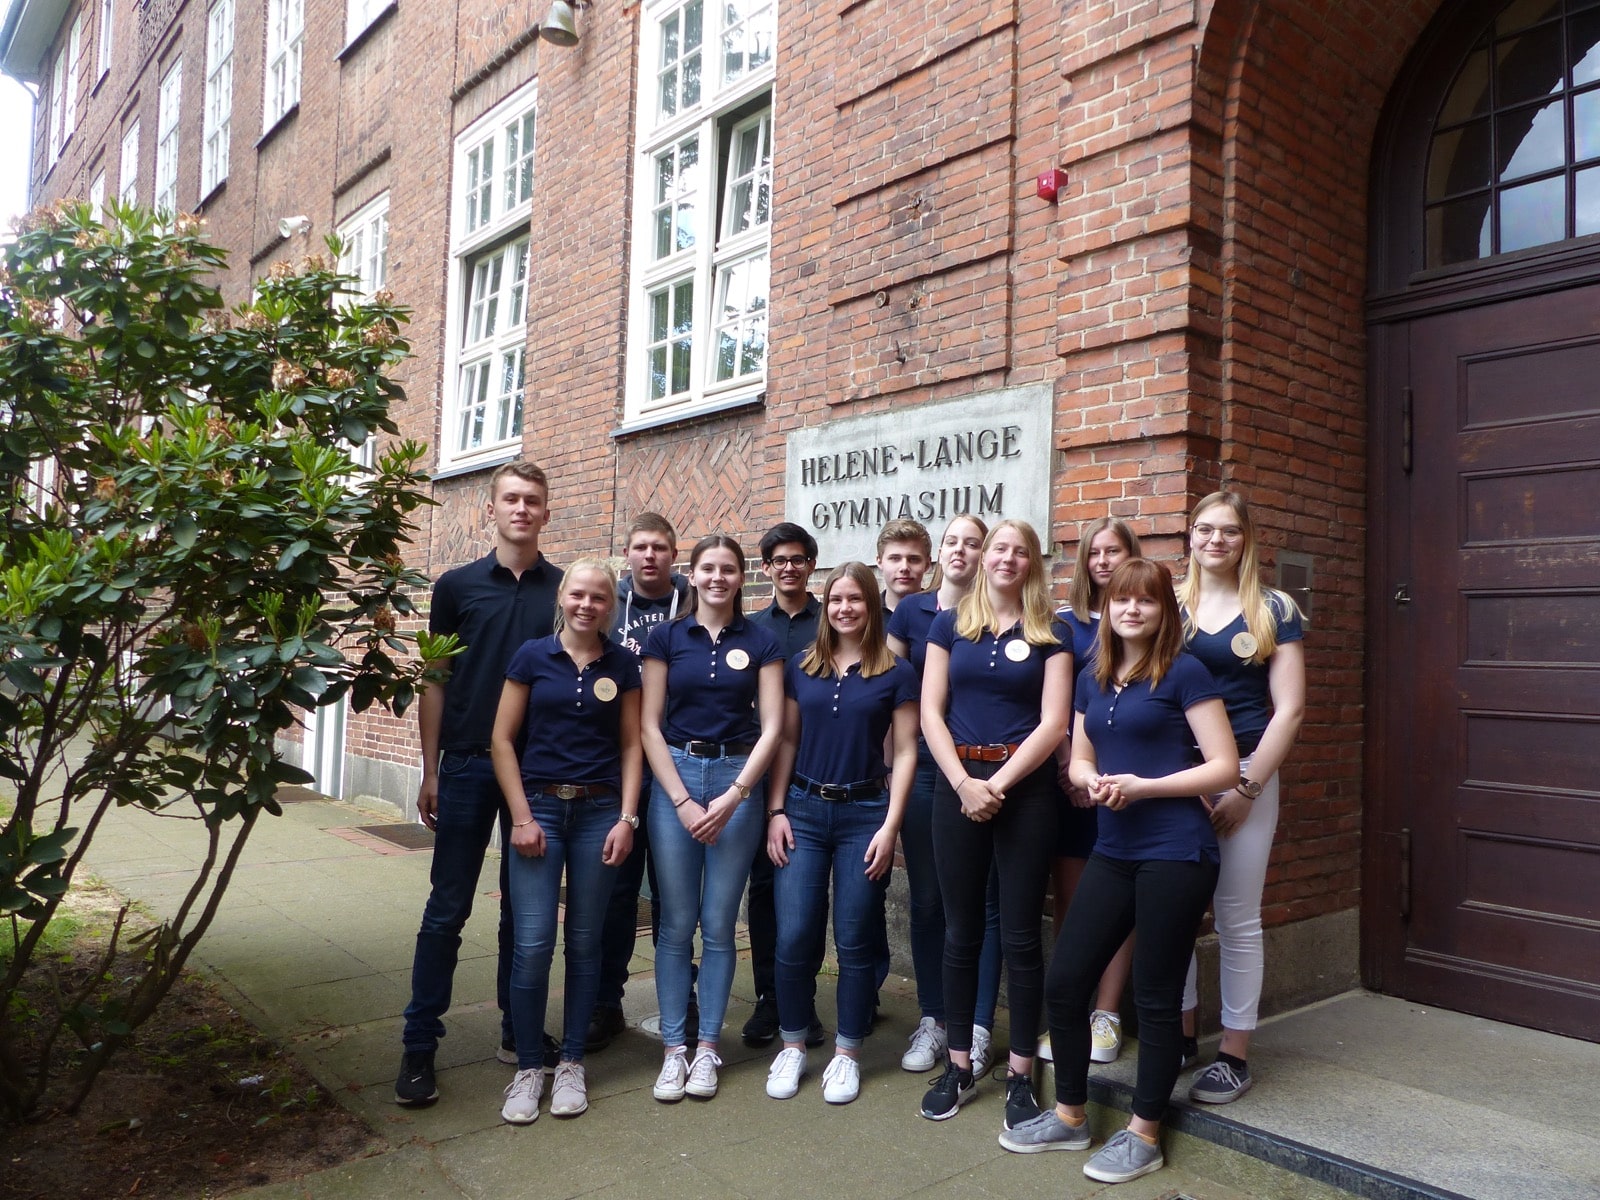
<point x="1259" y="235"/>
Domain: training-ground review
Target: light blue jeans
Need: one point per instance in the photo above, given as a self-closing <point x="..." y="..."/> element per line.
<point x="575" y="835"/>
<point x="701" y="886"/>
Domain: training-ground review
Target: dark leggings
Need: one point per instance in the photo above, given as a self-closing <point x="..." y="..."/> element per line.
<point x="1018" y="842"/>
<point x="1161" y="903"/>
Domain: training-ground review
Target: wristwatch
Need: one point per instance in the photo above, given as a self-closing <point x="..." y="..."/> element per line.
<point x="631" y="818"/>
<point x="1250" y="787"/>
<point x="744" y="792"/>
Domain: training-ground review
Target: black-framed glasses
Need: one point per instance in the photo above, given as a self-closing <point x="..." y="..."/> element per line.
<point x="788" y="560"/>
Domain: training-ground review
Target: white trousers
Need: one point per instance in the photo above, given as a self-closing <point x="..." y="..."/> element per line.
<point x="1236" y="907"/>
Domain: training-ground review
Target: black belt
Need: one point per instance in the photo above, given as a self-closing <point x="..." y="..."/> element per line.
<point x="839" y="793"/>
<point x="575" y="791"/>
<point x="698" y="749"/>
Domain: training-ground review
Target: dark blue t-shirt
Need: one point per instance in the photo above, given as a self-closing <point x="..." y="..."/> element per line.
<point x="1245" y="686"/>
<point x="795" y="634"/>
<point x="910" y="622"/>
<point x="1085" y="636"/>
<point x="493" y="612"/>
<point x="573" y="732"/>
<point x="1144" y="731"/>
<point x="712" y="686"/>
<point x="993" y="698"/>
<point x="843" y="721"/>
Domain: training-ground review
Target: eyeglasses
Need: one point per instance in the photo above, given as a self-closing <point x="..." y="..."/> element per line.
<point x="788" y="560"/>
<point x="1230" y="533"/>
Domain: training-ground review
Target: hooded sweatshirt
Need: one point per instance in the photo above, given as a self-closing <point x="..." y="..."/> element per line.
<point x="636" y="615"/>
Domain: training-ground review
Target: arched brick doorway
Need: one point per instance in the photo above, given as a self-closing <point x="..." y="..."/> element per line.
<point x="1482" y="836"/>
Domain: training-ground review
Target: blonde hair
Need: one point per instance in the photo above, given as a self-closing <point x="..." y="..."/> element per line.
<point x="1260" y="605"/>
<point x="1081" y="592"/>
<point x="975" y="614"/>
<point x="586" y="564"/>
<point x="876" y="657"/>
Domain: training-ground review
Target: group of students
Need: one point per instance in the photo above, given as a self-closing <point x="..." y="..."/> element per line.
<point x="1128" y="746"/>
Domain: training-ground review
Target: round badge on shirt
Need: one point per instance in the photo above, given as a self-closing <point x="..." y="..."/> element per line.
<point x="605" y="689"/>
<point x="738" y="659"/>
<point x="1018" y="650"/>
<point x="1244" y="645"/>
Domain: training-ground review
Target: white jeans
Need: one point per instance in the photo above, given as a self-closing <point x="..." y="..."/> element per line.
<point x="1236" y="908"/>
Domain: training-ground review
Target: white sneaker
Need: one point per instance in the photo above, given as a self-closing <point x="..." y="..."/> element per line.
<point x="522" y="1097"/>
<point x="674" y="1074"/>
<point x="783" y="1078"/>
<point x="570" y="1095"/>
<point x="1045" y="1052"/>
<point x="841" y="1082"/>
<point x="929" y="1043"/>
<point x="982" y="1052"/>
<point x="702" y="1081"/>
<point x="1105" y="1036"/>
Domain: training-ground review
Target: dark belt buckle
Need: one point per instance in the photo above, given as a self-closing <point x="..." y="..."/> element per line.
<point x="996" y="752"/>
<point x="836" y="793"/>
<point x="703" y="749"/>
<point x="566" y="791"/>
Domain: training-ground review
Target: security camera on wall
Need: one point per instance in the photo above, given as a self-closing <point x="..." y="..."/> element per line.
<point x="290" y="226"/>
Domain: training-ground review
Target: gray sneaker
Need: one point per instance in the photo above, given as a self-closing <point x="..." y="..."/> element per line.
<point x="1219" y="1084"/>
<point x="1045" y="1132"/>
<point x="1126" y="1156"/>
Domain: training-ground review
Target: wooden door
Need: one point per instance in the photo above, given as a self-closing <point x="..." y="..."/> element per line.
<point x="1485" y="672"/>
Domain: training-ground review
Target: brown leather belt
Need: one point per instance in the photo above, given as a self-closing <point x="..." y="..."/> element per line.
<point x="576" y="791"/>
<point x="993" y="753"/>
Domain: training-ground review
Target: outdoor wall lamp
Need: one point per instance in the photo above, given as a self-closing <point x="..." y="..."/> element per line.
<point x="560" y="26"/>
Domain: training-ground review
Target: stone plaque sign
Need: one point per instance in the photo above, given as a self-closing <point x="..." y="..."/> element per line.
<point x="988" y="455"/>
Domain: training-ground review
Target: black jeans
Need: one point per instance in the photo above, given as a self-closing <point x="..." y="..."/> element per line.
<point x="1018" y="843"/>
<point x="1161" y="903"/>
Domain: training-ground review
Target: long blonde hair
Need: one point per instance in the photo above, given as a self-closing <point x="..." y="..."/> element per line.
<point x="1081" y="592"/>
<point x="876" y="658"/>
<point x="975" y="615"/>
<point x="1260" y="605"/>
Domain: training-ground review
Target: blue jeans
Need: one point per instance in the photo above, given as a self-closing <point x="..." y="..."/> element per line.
<point x="470" y="804"/>
<point x="575" y="835"/>
<point x="622" y="914"/>
<point x="700" y="886"/>
<point x="830" y="838"/>
<point x="926" y="907"/>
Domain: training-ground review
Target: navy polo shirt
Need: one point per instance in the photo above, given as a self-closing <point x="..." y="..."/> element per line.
<point x="709" y="698"/>
<point x="993" y="698"/>
<point x="573" y="732"/>
<point x="794" y="634"/>
<point x="493" y="612"/>
<point x="1085" y="636"/>
<point x="1144" y="731"/>
<point x="843" y="720"/>
<point x="1245" y="686"/>
<point x="910" y="622"/>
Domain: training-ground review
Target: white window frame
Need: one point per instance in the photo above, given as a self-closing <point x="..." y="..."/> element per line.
<point x="169" y="108"/>
<point x="107" y="16"/>
<point x="688" y="258"/>
<point x="74" y="49"/>
<point x="97" y="196"/>
<point x="128" y="165"/>
<point x="286" y="34"/>
<point x="217" y="116"/>
<point x="365" y="234"/>
<point x="54" y="133"/>
<point x="358" y="14"/>
<point x="491" y="270"/>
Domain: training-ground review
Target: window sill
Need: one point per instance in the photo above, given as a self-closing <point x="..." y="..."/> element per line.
<point x="366" y="31"/>
<point x="289" y="114"/>
<point x="457" y="470"/>
<point x="721" y="406"/>
<point x="216" y="190"/>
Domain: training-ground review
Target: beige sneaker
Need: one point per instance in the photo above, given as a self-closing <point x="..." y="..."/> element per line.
<point x="570" y="1095"/>
<point x="1105" y="1036"/>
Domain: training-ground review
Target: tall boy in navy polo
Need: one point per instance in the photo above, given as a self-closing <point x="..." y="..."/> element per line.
<point x="788" y="556"/>
<point x="493" y="605"/>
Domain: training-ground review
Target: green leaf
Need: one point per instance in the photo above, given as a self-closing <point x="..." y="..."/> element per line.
<point x="184" y="531"/>
<point x="295" y="550"/>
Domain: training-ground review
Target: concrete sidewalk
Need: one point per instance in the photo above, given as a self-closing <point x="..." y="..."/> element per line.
<point x="1362" y="1094"/>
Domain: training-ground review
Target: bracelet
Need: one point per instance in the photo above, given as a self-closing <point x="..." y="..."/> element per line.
<point x="520" y="824"/>
<point x="774" y="812"/>
<point x="680" y="803"/>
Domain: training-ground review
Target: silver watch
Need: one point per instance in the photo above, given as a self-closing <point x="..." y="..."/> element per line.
<point x="631" y="818"/>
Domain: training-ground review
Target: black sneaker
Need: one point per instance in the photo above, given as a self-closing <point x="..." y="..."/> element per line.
<point x="815" y="1033"/>
<point x="762" y="1026"/>
<point x="552" y="1054"/>
<point x="415" y="1083"/>
<point x="604" y="1027"/>
<point x="1191" y="1053"/>
<point x="1021" y="1105"/>
<point x="948" y="1093"/>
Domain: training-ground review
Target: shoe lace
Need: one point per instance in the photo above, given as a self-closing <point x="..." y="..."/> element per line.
<point x="569" y="1075"/>
<point x="925" y="1036"/>
<point x="673" y="1065"/>
<point x="523" y="1083"/>
<point x="841" y="1066"/>
<point x="1100" y="1026"/>
<point x="705" y="1064"/>
<point x="1222" y="1073"/>
<point x="789" y="1059"/>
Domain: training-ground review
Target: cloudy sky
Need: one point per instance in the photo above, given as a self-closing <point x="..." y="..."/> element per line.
<point x="16" y="120"/>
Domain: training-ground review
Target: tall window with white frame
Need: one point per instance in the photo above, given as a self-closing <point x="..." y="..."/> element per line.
<point x="107" y="16"/>
<point x="97" y="196"/>
<point x="365" y="254"/>
<point x="286" y="33"/>
<point x="703" y="219"/>
<point x="167" y="137"/>
<point x="488" y="299"/>
<point x="217" y="122"/>
<point x="74" y="49"/>
<point x="55" y="129"/>
<point x="128" y="165"/>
